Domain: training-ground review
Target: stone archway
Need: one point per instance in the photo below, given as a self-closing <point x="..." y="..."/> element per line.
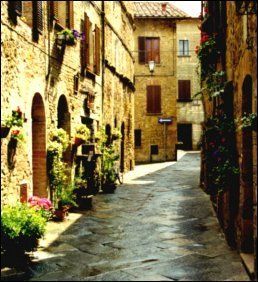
<point x="246" y="197"/>
<point x="39" y="160"/>
<point x="64" y="122"/>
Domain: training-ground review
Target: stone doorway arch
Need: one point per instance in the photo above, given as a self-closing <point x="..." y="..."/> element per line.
<point x="246" y="197"/>
<point x="39" y="160"/>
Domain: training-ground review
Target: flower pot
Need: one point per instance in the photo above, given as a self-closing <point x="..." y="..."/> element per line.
<point x="4" y="131"/>
<point x="60" y="214"/>
<point x="109" y="187"/>
<point x="78" y="141"/>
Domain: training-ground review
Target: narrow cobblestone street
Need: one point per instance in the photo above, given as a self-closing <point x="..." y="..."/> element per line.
<point x="157" y="227"/>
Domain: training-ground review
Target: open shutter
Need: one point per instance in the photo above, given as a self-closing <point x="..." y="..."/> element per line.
<point x="156" y="50"/>
<point x="37" y="19"/>
<point x="14" y="10"/>
<point x="149" y="99"/>
<point x="141" y="50"/>
<point x="87" y="39"/>
<point x="54" y="10"/>
<point x="97" y="50"/>
<point x="83" y="48"/>
<point x="71" y="14"/>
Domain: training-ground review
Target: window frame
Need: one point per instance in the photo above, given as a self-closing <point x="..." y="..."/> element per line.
<point x="140" y="138"/>
<point x="182" y="53"/>
<point x="143" y="52"/>
<point x="181" y="98"/>
<point x="151" y="96"/>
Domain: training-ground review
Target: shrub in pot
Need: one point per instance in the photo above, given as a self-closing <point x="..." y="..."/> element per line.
<point x="82" y="134"/>
<point x="21" y="228"/>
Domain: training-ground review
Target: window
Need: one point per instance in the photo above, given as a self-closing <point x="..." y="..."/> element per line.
<point x="137" y="137"/>
<point x="154" y="149"/>
<point x="149" y="49"/>
<point x="183" y="48"/>
<point x="184" y="89"/>
<point x="90" y="47"/>
<point x="62" y="12"/>
<point x="154" y="99"/>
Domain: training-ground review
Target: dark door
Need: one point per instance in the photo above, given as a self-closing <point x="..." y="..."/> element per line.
<point x="184" y="136"/>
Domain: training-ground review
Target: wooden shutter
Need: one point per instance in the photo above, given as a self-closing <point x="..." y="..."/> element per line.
<point x="37" y="19"/>
<point x="156" y="50"/>
<point x="141" y="50"/>
<point x="157" y="99"/>
<point x="83" y="48"/>
<point x="97" y="50"/>
<point x="14" y="10"/>
<point x="53" y="10"/>
<point x="184" y="89"/>
<point x="149" y="99"/>
<point x="87" y="39"/>
<point x="70" y="14"/>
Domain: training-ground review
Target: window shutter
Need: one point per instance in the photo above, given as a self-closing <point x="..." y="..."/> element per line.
<point x="83" y="48"/>
<point x="141" y="50"/>
<point x="53" y="10"/>
<point x="156" y="50"/>
<point x="87" y="39"/>
<point x="14" y="10"/>
<point x="157" y="99"/>
<point x="149" y="99"/>
<point x="37" y="19"/>
<point x="71" y="14"/>
<point x="184" y="89"/>
<point x="97" y="50"/>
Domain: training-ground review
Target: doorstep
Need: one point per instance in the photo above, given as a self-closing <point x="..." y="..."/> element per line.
<point x="248" y="261"/>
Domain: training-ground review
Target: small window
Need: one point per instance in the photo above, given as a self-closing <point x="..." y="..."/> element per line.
<point x="137" y="137"/>
<point x="154" y="149"/>
<point x="183" y="47"/>
<point x="184" y="89"/>
<point x="149" y="49"/>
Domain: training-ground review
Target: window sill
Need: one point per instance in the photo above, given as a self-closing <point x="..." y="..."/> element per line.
<point x="184" y="56"/>
<point x="184" y="100"/>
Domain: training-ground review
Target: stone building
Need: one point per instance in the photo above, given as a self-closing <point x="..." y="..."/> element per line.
<point x="160" y="29"/>
<point x="61" y="85"/>
<point x="190" y="113"/>
<point x="118" y="74"/>
<point x="231" y="28"/>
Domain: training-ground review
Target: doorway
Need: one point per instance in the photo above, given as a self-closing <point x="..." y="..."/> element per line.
<point x="122" y="152"/>
<point x="39" y="160"/>
<point x="184" y="136"/>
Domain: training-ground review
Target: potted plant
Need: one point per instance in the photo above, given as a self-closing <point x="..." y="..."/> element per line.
<point x="21" y="229"/>
<point x="82" y="193"/>
<point x="42" y="205"/>
<point x="82" y="134"/>
<point x="68" y="37"/>
<point x="116" y="134"/>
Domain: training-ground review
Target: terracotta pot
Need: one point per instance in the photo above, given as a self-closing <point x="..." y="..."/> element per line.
<point x="60" y="214"/>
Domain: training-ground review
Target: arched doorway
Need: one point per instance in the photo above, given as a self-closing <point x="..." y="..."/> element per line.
<point x="247" y="242"/>
<point x="108" y="133"/>
<point x="39" y="160"/>
<point x="63" y="121"/>
<point x="122" y="148"/>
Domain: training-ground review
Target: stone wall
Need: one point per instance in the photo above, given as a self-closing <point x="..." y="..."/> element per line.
<point x="190" y="112"/>
<point x="29" y="67"/>
<point x="119" y="74"/>
<point x="165" y="76"/>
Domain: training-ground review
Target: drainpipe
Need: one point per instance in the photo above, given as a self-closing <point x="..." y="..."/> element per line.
<point x="103" y="52"/>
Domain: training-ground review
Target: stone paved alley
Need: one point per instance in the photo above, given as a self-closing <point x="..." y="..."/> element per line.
<point x="157" y="227"/>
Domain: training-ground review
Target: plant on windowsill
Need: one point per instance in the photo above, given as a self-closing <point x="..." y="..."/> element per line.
<point x="82" y="134"/>
<point x="69" y="37"/>
<point x="116" y="134"/>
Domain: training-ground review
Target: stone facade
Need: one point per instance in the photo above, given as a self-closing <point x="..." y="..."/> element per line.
<point x="237" y="208"/>
<point x="190" y="112"/>
<point x="52" y="90"/>
<point x="153" y="133"/>
<point x="118" y="107"/>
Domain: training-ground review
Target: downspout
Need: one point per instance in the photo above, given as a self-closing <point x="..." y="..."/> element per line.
<point x="103" y="52"/>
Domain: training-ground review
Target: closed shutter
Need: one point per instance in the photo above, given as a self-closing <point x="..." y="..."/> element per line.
<point x="70" y="14"/>
<point x="97" y="50"/>
<point x="141" y="50"/>
<point x="154" y="99"/>
<point x="156" y="50"/>
<point x="53" y="10"/>
<point x="87" y="39"/>
<point x="184" y="89"/>
<point x="83" y="48"/>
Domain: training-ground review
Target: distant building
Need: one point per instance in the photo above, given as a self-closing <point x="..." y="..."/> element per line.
<point x="167" y="36"/>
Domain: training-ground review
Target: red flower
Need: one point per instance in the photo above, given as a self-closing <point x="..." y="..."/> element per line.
<point x="15" y="132"/>
<point x="206" y="10"/>
<point x="197" y="49"/>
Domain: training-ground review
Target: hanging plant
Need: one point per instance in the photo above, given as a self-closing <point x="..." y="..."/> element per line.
<point x="82" y="134"/>
<point x="248" y="121"/>
<point x="69" y="37"/>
